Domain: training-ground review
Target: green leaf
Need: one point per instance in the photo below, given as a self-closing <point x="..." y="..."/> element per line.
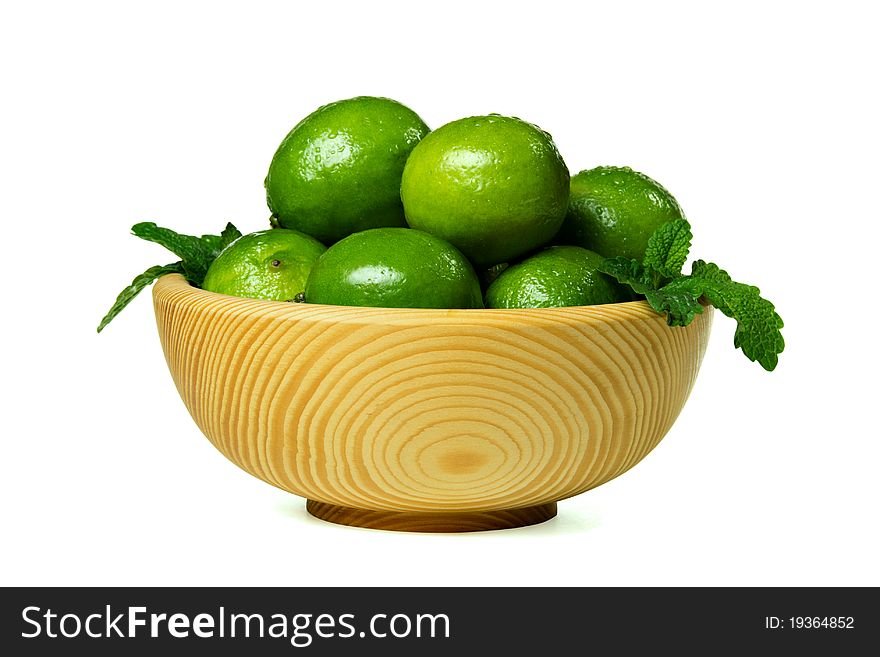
<point x="676" y="300"/>
<point x="214" y="244"/>
<point x="210" y="244"/>
<point x="196" y="253"/>
<point x="228" y="236"/>
<point x="668" y="248"/>
<point x="709" y="271"/>
<point x="757" y="322"/>
<point x="490" y="274"/>
<point x="186" y="247"/>
<point x="629" y="272"/>
<point x="139" y="283"/>
<point x="679" y="299"/>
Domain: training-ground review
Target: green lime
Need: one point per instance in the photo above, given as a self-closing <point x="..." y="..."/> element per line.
<point x="394" y="268"/>
<point x="269" y="264"/>
<point x="614" y="210"/>
<point x="494" y="186"/>
<point x="338" y="171"/>
<point x="557" y="276"/>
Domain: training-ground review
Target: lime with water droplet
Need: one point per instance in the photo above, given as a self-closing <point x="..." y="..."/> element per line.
<point x="394" y="268"/>
<point x="494" y="186"/>
<point x="338" y="171"/>
<point x="269" y="264"/>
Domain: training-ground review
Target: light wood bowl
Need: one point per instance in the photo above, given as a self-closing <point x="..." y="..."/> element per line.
<point x="427" y="420"/>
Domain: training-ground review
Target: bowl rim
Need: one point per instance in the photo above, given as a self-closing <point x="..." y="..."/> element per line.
<point x="175" y="289"/>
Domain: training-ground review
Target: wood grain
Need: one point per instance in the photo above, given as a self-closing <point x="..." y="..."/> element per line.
<point x="448" y="521"/>
<point x="427" y="411"/>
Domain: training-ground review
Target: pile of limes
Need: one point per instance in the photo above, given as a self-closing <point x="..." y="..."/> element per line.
<point x="371" y="208"/>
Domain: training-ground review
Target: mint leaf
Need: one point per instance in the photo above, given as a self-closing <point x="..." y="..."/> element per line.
<point x="228" y="236"/>
<point x="678" y="299"/>
<point x="757" y="322"/>
<point x="196" y="253"/>
<point x="210" y="244"/>
<point x="186" y="247"/>
<point x="629" y="272"/>
<point x="488" y="276"/>
<point x="668" y="248"/>
<point x="675" y="300"/>
<point x="139" y="283"/>
<point x="658" y="277"/>
<point x="709" y="271"/>
<point x="214" y="244"/>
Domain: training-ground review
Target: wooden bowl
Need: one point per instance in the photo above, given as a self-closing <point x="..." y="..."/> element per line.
<point x="427" y="420"/>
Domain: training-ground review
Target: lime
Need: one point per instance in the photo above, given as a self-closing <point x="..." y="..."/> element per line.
<point x="394" y="268"/>
<point x="614" y="210"/>
<point x="557" y="276"/>
<point x="494" y="186"/>
<point x="269" y="264"/>
<point x="338" y="171"/>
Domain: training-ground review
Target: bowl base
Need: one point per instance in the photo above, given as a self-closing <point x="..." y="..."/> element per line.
<point x="446" y="521"/>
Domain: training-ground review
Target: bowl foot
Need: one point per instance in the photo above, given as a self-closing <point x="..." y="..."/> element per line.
<point x="447" y="521"/>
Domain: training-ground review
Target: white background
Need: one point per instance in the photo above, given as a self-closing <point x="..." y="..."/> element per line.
<point x="761" y="119"/>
